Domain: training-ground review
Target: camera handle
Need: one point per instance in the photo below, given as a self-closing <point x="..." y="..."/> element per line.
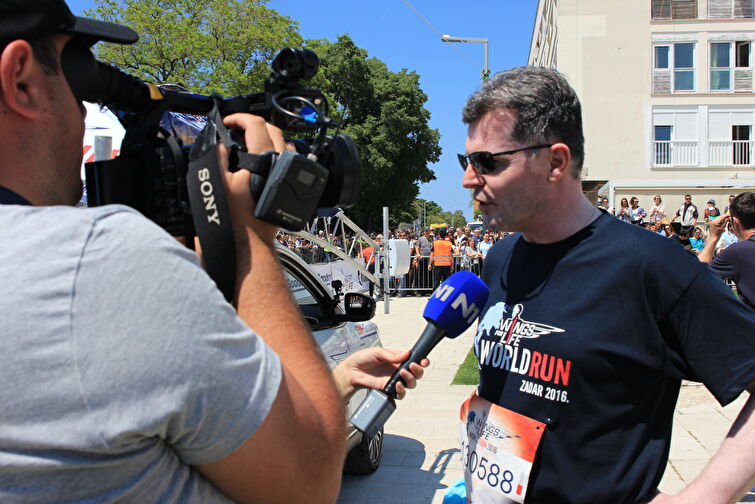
<point x="211" y="215"/>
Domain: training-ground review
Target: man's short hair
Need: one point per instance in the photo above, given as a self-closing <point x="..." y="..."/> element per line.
<point x="547" y="108"/>
<point x="743" y="208"/>
<point x="43" y="49"/>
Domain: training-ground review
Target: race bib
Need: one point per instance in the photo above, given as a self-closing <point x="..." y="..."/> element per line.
<point x="498" y="447"/>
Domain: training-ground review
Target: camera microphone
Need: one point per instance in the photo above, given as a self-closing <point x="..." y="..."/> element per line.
<point x="451" y="309"/>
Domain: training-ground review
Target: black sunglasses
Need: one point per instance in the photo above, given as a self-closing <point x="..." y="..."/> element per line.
<point x="482" y="161"/>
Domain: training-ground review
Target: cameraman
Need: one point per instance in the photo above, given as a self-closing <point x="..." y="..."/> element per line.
<point x="126" y="376"/>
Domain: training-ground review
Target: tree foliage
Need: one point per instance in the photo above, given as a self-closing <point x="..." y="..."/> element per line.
<point x="205" y="45"/>
<point x="388" y="121"/>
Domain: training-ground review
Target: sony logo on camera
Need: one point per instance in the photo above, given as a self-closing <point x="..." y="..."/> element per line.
<point x="208" y="196"/>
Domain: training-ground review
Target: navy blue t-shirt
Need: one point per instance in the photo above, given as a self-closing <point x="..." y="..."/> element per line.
<point x="737" y="261"/>
<point x="592" y="336"/>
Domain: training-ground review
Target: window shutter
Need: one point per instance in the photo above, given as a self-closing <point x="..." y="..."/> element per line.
<point x="684" y="9"/>
<point x="661" y="9"/>
<point x="662" y="81"/>
<point x="743" y="79"/>
<point x="742" y="8"/>
<point x="719" y="9"/>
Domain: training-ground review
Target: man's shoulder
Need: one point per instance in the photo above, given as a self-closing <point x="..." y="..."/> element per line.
<point x="67" y="225"/>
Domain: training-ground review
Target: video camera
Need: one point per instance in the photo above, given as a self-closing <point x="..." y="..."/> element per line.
<point x="150" y="174"/>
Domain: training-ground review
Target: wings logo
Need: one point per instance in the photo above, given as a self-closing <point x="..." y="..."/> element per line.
<point x="516" y="327"/>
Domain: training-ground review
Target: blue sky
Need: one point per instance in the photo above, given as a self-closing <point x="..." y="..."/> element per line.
<point x="391" y="31"/>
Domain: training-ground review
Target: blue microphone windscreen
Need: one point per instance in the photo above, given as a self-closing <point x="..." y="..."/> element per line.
<point x="457" y="302"/>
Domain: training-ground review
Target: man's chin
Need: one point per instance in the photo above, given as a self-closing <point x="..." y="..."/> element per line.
<point x="491" y="223"/>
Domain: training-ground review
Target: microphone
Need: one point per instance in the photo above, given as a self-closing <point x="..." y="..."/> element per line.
<point x="451" y="309"/>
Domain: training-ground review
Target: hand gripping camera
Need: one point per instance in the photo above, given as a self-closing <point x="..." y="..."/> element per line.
<point x="179" y="187"/>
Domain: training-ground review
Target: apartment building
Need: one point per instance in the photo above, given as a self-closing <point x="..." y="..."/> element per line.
<point x="666" y="89"/>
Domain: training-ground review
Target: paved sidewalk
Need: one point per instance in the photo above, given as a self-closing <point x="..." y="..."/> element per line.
<point x="421" y="453"/>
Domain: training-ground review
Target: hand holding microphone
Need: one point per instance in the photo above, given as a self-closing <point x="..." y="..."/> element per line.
<point x="451" y="309"/>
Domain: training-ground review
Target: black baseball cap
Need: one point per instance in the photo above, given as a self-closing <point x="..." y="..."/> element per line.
<point x="20" y="19"/>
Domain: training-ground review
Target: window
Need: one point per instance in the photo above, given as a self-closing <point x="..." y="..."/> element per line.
<point x="720" y="66"/>
<point x="673" y="9"/>
<point x="728" y="56"/>
<point x="742" y="54"/>
<point x="730" y="135"/>
<point x="661" y="56"/>
<point x="741" y="146"/>
<point x="675" y="136"/>
<point x="315" y="305"/>
<point x="662" y="145"/>
<point x="730" y="9"/>
<point x="674" y="67"/>
<point x="684" y="67"/>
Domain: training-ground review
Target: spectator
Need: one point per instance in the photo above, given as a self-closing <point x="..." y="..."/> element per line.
<point x="683" y="238"/>
<point x="485" y="244"/>
<point x="474" y="257"/>
<point x="441" y="258"/>
<point x="606" y="206"/>
<point x="738" y="260"/>
<point x="668" y="230"/>
<point x="727" y="209"/>
<point x="476" y="236"/>
<point x="728" y="237"/>
<point x="688" y="214"/>
<point x="658" y="210"/>
<point x="697" y="241"/>
<point x="424" y="248"/>
<point x="636" y="212"/>
<point x="624" y="213"/>
<point x="369" y="255"/>
<point x="711" y="212"/>
<point x="458" y="235"/>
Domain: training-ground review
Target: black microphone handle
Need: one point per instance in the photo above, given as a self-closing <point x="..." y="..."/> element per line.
<point x="430" y="337"/>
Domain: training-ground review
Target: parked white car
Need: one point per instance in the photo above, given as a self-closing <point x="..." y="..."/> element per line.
<point x="340" y="328"/>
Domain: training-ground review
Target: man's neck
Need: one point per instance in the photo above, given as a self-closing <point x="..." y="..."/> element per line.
<point x="746" y="234"/>
<point x="562" y="218"/>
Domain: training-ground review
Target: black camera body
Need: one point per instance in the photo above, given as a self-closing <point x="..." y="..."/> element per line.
<point x="150" y="174"/>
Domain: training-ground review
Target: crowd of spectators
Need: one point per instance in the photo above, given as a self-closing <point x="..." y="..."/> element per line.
<point x="686" y="225"/>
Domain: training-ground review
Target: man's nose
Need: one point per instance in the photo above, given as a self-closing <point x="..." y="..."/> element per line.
<point x="471" y="178"/>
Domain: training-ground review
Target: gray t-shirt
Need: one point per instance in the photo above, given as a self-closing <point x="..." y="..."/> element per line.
<point x="120" y="362"/>
<point x="425" y="246"/>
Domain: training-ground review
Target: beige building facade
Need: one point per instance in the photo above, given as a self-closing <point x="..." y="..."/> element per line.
<point x="667" y="94"/>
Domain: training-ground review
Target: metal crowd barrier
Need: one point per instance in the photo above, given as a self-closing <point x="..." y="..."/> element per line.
<point x="419" y="280"/>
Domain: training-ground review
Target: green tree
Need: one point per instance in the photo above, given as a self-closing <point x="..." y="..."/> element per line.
<point x="387" y="119"/>
<point x="454" y="219"/>
<point x="205" y="45"/>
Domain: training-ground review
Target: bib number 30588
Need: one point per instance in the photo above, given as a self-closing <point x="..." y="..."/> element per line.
<point x="498" y="447"/>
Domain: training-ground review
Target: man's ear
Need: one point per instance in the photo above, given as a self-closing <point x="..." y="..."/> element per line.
<point x="560" y="162"/>
<point x="20" y="80"/>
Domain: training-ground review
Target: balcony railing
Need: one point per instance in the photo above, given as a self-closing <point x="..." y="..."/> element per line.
<point x="673" y="153"/>
<point x="731" y="153"/>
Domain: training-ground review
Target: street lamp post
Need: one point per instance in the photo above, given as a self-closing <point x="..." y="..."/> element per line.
<point x="483" y="41"/>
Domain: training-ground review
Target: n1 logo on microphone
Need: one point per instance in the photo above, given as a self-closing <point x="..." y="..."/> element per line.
<point x="457" y="302"/>
<point x="469" y="310"/>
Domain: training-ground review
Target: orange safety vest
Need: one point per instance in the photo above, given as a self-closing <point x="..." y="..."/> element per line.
<point x="442" y="253"/>
<point x="367" y="254"/>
